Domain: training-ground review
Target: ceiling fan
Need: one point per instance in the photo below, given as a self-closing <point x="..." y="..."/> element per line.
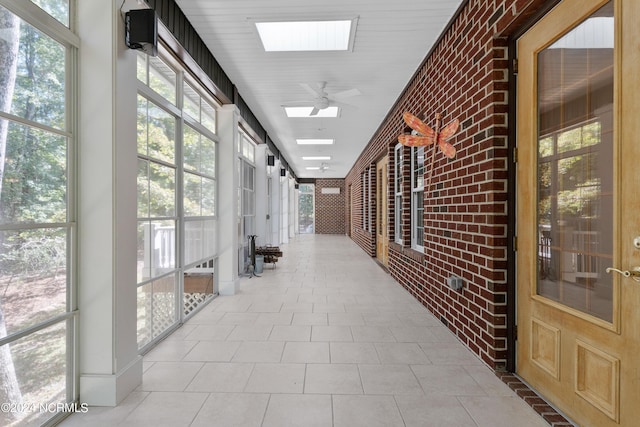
<point x="322" y="98"/>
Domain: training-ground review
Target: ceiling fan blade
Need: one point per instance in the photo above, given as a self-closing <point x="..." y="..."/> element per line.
<point x="314" y="112"/>
<point x="340" y="104"/>
<point x="313" y="90"/>
<point x="345" y="94"/>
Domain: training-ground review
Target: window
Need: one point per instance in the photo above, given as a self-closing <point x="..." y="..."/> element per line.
<point x="417" y="198"/>
<point x="176" y="162"/>
<point x="364" y="201"/>
<point x="306" y="209"/>
<point x="157" y="220"/>
<point x="397" y="189"/>
<point x="247" y="196"/>
<point x="38" y="316"/>
<point x="198" y="107"/>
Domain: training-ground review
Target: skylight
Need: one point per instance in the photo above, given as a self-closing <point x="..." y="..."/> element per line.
<point x="305" y="111"/>
<point x="316" y="158"/>
<point x="315" y="141"/>
<point x="313" y="168"/>
<point x="297" y="36"/>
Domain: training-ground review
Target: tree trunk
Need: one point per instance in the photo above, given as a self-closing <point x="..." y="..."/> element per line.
<point x="9" y="43"/>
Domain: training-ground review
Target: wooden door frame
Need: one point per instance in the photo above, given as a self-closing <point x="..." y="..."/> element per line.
<point x="512" y="140"/>
<point x="384" y="194"/>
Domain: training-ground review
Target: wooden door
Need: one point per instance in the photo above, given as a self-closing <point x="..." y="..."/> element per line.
<point x="382" y="231"/>
<point x="579" y="210"/>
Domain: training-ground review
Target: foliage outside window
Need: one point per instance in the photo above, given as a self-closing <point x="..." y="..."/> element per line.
<point x="37" y="218"/>
<point x="59" y="9"/>
<point x="417" y="198"/>
<point x="198" y="107"/>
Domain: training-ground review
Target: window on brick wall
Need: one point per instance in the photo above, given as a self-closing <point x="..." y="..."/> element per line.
<point x="369" y="202"/>
<point x="417" y="198"/>
<point x="397" y="190"/>
<point x="365" y="201"/>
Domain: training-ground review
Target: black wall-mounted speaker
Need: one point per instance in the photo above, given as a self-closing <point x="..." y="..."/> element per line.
<point x="142" y="30"/>
<point x="283" y="172"/>
<point x="271" y="160"/>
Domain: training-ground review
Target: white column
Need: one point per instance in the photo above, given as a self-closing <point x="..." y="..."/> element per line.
<point x="110" y="367"/>
<point x="228" y="219"/>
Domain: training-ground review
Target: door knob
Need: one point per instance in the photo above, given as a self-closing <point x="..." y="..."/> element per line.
<point x="634" y="273"/>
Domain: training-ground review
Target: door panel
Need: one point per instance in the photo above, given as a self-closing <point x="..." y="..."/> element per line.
<point x="382" y="232"/>
<point x="578" y="201"/>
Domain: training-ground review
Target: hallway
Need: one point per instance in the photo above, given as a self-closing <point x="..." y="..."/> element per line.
<point x="326" y="338"/>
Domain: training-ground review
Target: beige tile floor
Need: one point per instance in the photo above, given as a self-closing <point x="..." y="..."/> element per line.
<point x="327" y="338"/>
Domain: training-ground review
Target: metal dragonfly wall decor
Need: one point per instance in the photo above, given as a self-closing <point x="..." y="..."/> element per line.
<point x="427" y="136"/>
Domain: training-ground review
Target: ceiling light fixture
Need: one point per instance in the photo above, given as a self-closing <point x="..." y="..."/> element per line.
<point x="313" y="168"/>
<point x="300" y="36"/>
<point x="315" y="141"/>
<point x="316" y="157"/>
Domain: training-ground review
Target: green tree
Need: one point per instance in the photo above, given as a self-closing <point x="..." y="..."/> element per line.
<point x="9" y="43"/>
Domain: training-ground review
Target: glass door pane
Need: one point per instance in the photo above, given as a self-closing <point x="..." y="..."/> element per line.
<point x="575" y="167"/>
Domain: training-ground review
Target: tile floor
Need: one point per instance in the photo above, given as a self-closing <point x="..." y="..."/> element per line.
<point x="327" y="338"/>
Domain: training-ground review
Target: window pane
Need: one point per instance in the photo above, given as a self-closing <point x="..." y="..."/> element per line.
<point x="144" y="314"/>
<point x="161" y="134"/>
<point x="41" y="372"/>
<point x="59" y="9"/>
<point x="191" y="151"/>
<point x="144" y="197"/>
<point x="418" y="167"/>
<point x="208" y="116"/>
<point x="200" y="240"/>
<point x="143" y="126"/>
<point x="163" y="190"/>
<point x="162" y="79"/>
<point x="141" y="68"/>
<point x="575" y="167"/>
<point x="210" y="238"/>
<point x="156" y="132"/>
<point x="419" y="217"/>
<point x="208" y="197"/>
<point x="191" y="102"/>
<point x="192" y="194"/>
<point x="156" y="248"/>
<point x="164" y="304"/>
<point x="34" y="88"/>
<point x="193" y="241"/>
<point x="208" y="156"/>
<point x="33" y="276"/>
<point x="34" y="183"/>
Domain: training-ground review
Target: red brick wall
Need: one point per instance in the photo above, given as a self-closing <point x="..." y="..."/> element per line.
<point x="465" y="77"/>
<point x="330" y="208"/>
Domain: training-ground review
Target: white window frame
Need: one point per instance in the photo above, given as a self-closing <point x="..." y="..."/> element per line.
<point x="417" y="189"/>
<point x="397" y="188"/>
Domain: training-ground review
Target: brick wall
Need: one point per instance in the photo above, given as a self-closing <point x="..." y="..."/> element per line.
<point x="464" y="77"/>
<point x="331" y="208"/>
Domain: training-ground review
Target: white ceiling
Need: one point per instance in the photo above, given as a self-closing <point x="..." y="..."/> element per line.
<point x="392" y="38"/>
